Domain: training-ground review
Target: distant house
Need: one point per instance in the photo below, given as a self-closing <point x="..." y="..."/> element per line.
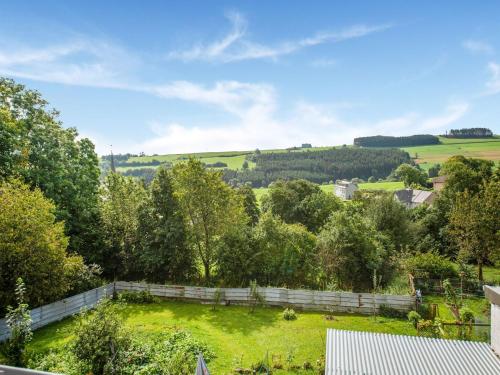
<point x="345" y="189"/>
<point x="438" y="182"/>
<point x="412" y="197"/>
<point x="306" y="145"/>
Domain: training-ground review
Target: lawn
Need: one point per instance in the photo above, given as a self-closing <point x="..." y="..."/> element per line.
<point x="237" y="336"/>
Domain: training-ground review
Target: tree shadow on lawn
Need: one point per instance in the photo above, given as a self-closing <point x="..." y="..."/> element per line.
<point x="230" y="319"/>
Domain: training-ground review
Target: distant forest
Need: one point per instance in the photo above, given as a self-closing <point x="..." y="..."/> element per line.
<point x="387" y="141"/>
<point x="319" y="166"/>
<point x="469" y="133"/>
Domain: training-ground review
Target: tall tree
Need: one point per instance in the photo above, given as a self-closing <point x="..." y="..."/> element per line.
<point x="164" y="253"/>
<point x="121" y="198"/>
<point x="210" y="207"/>
<point x="250" y="203"/>
<point x="350" y="250"/>
<point x="411" y="175"/>
<point x="52" y="158"/>
<point x="475" y="224"/>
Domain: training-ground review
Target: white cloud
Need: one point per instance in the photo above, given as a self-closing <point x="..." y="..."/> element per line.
<point x="478" y="46"/>
<point x="235" y="47"/>
<point x="80" y="61"/>
<point x="493" y="85"/>
<point x="257" y="123"/>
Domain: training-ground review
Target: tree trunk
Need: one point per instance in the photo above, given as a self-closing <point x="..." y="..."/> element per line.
<point x="480" y="270"/>
<point x="207" y="272"/>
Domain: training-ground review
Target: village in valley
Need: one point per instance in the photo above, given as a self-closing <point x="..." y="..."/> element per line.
<point x="249" y="188"/>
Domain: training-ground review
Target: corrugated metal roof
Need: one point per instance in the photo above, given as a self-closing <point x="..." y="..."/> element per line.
<point x="368" y="353"/>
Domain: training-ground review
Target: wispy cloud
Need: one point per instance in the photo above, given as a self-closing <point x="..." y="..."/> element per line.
<point x="323" y="63"/>
<point x="493" y="85"/>
<point x="80" y="61"/>
<point x="235" y="46"/>
<point x="478" y="47"/>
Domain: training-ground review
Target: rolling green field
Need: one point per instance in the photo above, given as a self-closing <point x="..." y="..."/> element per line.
<point x="482" y="148"/>
<point x="426" y="156"/>
<point x="238" y="337"/>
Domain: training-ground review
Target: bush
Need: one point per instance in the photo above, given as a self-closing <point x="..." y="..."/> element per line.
<point x="81" y="277"/>
<point x="390" y="312"/>
<point x="414" y="317"/>
<point x="430" y="265"/>
<point x="100" y="339"/>
<point x="289" y="314"/>
<point x="466" y="315"/>
<point x="424" y="310"/>
<point x="144" y="296"/>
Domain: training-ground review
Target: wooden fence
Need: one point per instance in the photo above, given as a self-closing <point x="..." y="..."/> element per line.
<point x="361" y="303"/>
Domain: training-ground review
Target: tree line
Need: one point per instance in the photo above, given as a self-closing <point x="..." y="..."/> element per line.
<point x="388" y="141"/>
<point x="469" y="133"/>
<point x="61" y="229"/>
<point x="319" y="166"/>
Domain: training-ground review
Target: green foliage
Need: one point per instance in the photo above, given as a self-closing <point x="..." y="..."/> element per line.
<point x="429" y="265"/>
<point x="81" y="277"/>
<point x="350" y="249"/>
<point x="164" y="253"/>
<point x="19" y="322"/>
<point x="144" y="296"/>
<point x="411" y="176"/>
<point x="32" y="246"/>
<point x="46" y="155"/>
<point x="210" y="206"/>
<point x="289" y="314"/>
<point x="100" y="340"/>
<point x="217" y="298"/>
<point x="466" y="315"/>
<point x="319" y="165"/>
<point x="414" y="317"/>
<point x="388" y="141"/>
<point x="249" y="202"/>
<point x="287" y="253"/>
<point x="390" y="312"/>
<point x="475" y="224"/>
<point x="121" y="198"/>
<point x="389" y="217"/>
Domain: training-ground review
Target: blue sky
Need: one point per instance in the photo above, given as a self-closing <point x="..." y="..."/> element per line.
<point x="164" y="77"/>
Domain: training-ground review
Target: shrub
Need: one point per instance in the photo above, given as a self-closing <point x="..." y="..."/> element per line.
<point x="424" y="310"/>
<point x="289" y="314"/>
<point x="390" y="312"/>
<point x="100" y="340"/>
<point x="19" y="322"/>
<point x="255" y="297"/>
<point x="466" y="315"/>
<point x="144" y="296"/>
<point x="414" y="317"/>
<point x="430" y="265"/>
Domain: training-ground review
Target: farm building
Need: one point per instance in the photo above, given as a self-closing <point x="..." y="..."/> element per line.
<point x="413" y="198"/>
<point x="438" y="183"/>
<point x="345" y="189"/>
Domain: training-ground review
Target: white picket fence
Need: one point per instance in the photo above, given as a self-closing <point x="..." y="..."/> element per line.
<point x="361" y="303"/>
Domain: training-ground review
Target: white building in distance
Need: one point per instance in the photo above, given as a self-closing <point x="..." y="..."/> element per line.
<point x="345" y="189"/>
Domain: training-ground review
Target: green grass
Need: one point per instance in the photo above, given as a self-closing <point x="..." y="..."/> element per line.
<point x="483" y="148"/>
<point x="491" y="273"/>
<point x="232" y="332"/>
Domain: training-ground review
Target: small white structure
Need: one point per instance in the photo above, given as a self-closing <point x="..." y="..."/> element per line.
<point x="345" y="189"/>
<point x="493" y="295"/>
